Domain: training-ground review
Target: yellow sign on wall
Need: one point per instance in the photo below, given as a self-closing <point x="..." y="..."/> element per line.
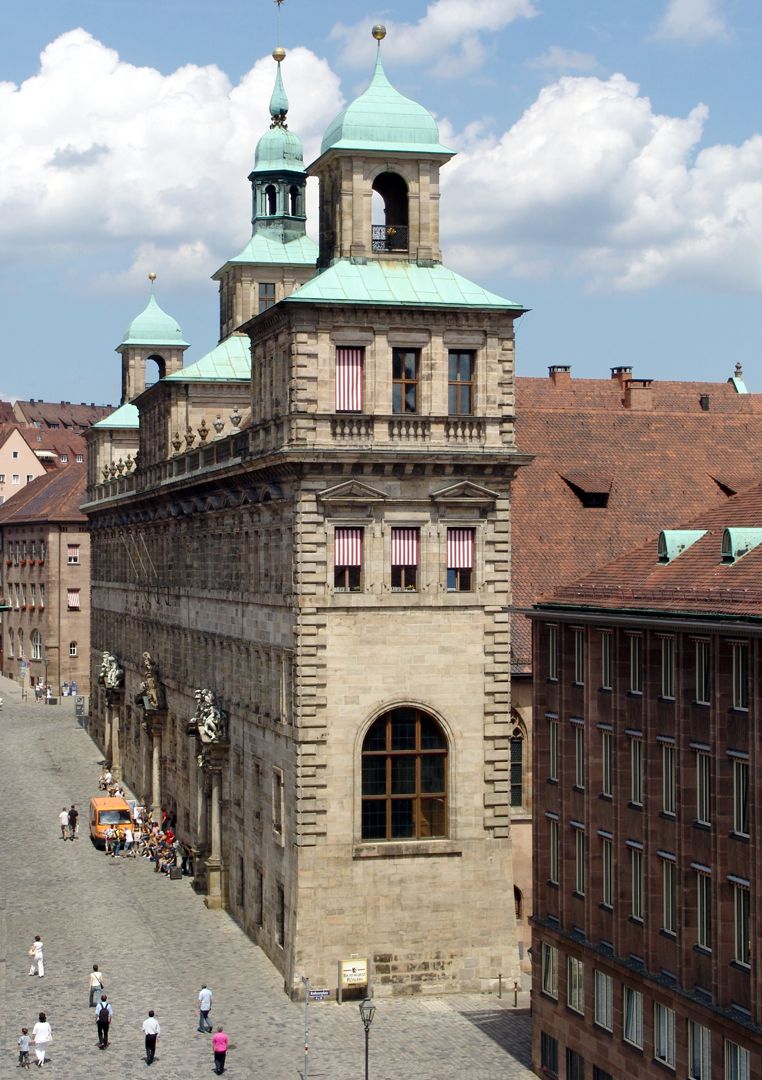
<point x="353" y="972"/>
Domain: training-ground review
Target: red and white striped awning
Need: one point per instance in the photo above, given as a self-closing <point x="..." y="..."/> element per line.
<point x="405" y="546"/>
<point x="460" y="549"/>
<point x="349" y="364"/>
<point x="347" y="547"/>
<point x="73" y="598"/>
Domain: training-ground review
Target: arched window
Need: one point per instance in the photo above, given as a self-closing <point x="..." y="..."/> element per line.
<point x="293" y="194"/>
<point x="404" y="777"/>
<point x="391" y="232"/>
<point x="21" y="643"/>
<point x="158" y="372"/>
<point x="11" y="643"/>
<point x="518" y="900"/>
<point x="271" y="197"/>
<point x="72" y="648"/>
<point x="517" y="767"/>
<point x="36" y="640"/>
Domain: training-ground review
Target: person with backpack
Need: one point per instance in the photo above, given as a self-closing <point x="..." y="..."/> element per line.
<point x="103" y="1016"/>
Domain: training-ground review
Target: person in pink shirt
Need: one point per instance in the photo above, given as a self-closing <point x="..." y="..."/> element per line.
<point x="220" y="1047"/>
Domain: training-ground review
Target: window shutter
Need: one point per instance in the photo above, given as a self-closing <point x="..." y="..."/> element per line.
<point x="73" y="598"/>
<point x="405" y="547"/>
<point x="349" y="365"/>
<point x="348" y="547"/>
<point x="460" y="549"/>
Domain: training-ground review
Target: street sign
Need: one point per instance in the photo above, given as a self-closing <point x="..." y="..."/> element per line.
<point x="79" y="705"/>
<point x="318" y="995"/>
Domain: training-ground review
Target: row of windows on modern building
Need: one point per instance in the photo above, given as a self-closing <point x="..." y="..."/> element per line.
<point x="22" y="596"/>
<point x="630" y="1025"/>
<point x="18" y="552"/>
<point x="37" y="647"/>
<point x="349" y="543"/>
<point x="700" y="681"/>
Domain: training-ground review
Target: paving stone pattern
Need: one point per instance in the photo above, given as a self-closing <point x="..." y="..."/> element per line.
<point x="156" y="943"/>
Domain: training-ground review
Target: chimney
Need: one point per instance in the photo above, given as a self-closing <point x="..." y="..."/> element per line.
<point x="621" y="374"/>
<point x="638" y="395"/>
<point x="560" y="374"/>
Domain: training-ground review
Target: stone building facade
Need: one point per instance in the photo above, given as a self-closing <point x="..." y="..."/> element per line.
<point x="332" y="563"/>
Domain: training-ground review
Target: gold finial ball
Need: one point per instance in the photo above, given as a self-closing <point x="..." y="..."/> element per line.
<point x="152" y="276"/>
<point x="279" y="53"/>
<point x="379" y="32"/>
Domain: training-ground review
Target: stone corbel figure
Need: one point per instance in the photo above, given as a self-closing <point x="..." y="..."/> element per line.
<point x="208" y="725"/>
<point x="150" y="695"/>
<point x="111" y="676"/>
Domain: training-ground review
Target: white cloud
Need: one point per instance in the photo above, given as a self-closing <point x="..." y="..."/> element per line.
<point x="449" y="36"/>
<point x="693" y="21"/>
<point x="557" y="60"/>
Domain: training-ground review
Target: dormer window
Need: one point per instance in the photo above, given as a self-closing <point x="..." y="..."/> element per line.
<point x="739" y="542"/>
<point x="673" y="542"/>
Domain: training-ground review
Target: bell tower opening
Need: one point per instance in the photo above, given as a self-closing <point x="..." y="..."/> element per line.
<point x="389" y="213"/>
<point x="271" y="200"/>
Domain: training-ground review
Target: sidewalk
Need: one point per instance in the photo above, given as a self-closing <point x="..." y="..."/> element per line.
<point x="11" y="691"/>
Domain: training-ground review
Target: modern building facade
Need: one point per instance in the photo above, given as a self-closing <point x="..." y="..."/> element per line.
<point x="647" y="826"/>
<point x="312" y="579"/>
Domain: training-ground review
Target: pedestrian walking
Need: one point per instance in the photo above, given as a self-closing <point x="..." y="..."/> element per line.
<point x="63" y="821"/>
<point x="42" y="1034"/>
<point x="96" y="984"/>
<point x="204" y="1008"/>
<point x="38" y="962"/>
<point x="220" y="1043"/>
<point x="73" y="822"/>
<point x="151" y="1030"/>
<point x="24" y="1041"/>
<point x="103" y="1016"/>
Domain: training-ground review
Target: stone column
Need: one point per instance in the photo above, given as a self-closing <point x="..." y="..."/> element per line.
<point x="156" y="729"/>
<point x="116" y="753"/>
<point x="107" y="732"/>
<point x="214" y="897"/>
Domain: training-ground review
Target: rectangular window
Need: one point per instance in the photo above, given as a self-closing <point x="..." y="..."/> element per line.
<point x="73" y="599"/>
<point x="741" y="925"/>
<point x="668" y="778"/>
<point x="740" y="676"/>
<point x="64" y="458"/>
<point x="2" y="477"/>
<point x="606" y="643"/>
<point x="704" y="910"/>
<point x="579" y="755"/>
<point x="42" y="595"/>
<point x="72" y="554"/>
<point x="575" y="1065"/>
<point x="15" y="478"/>
<point x="703" y="788"/>
<point x="632" y="1004"/>
<point x="601" y="1074"/>
<point x="553" y="849"/>
<point x="667" y="667"/>
<point x="349" y="379"/>
<point x="79" y="458"/>
<point x="277" y="801"/>
<point x="737" y="1062"/>
<point x="553" y="653"/>
<point x="266" y="295"/>
<point x="664" y="1035"/>
<point x="405" y="363"/>
<point x="460" y="383"/>
<point x="405" y="557"/>
<point x="636" y="873"/>
<point x="72" y="648"/>
<point x="741" y="798"/>
<point x="460" y="560"/>
<point x="550" y="970"/>
<point x="347" y="560"/>
<point x="636" y="664"/>
<point x="549" y="1055"/>
<point x="553" y="750"/>
<point x="703" y="672"/>
<point x="607" y="764"/>
<point x="604" y="1000"/>
<point x="259" y="896"/>
<point x="575" y="985"/>
<point x="14" y="455"/>
<point x="636" y="771"/>
<point x="280" y="916"/>
<point x="699" y="1052"/>
<point x="579" y="862"/>
<point x="607" y="872"/>
<point x="33" y="594"/>
<point x="669" y="896"/>
<point x="579" y="657"/>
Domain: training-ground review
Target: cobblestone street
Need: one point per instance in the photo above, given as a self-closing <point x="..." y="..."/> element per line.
<point x="156" y="943"/>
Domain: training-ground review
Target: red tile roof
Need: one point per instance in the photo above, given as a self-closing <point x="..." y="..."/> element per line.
<point x="55" y="497"/>
<point x="664" y="466"/>
<point x="59" y="415"/>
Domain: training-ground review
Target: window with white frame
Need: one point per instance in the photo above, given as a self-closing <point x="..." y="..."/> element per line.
<point x="42" y="594"/>
<point x="636" y="663"/>
<point x="64" y="458"/>
<point x="740" y="797"/>
<point x="72" y="596"/>
<point x="553" y="850"/>
<point x="699" y="1052"/>
<point x="14" y="455"/>
<point x="15" y="478"/>
<point x="579" y="861"/>
<point x="703" y="672"/>
<point x="737" y="1062"/>
<point x="664" y="1035"/>
<point x="604" y="1000"/>
<point x="11" y="643"/>
<point x="553" y="653"/>
<point x="579" y="657"/>
<point x="575" y="985"/>
<point x="636" y="878"/>
<point x="29" y="477"/>
<point x="72" y="648"/>
<point x="72" y="554"/>
<point x="741" y="924"/>
<point x="740" y="675"/>
<point x="607" y="763"/>
<point x="636" y="770"/>
<point x="703" y="787"/>
<point x="704" y="910"/>
<point x="579" y="754"/>
<point x="669" y="895"/>
<point x="553" y="750"/>
<point x="32" y="594"/>
<point x="632" y="1007"/>
<point x="607" y="871"/>
<point x="668" y="779"/>
<point x="550" y="970"/>
<point x="80" y="458"/>
<point x="667" y="667"/>
<point x="36" y="642"/>
<point x="606" y="665"/>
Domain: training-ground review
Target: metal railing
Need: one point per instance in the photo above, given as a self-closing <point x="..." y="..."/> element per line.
<point x="389" y="237"/>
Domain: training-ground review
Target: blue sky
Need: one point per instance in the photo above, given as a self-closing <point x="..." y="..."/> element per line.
<point x="609" y="168"/>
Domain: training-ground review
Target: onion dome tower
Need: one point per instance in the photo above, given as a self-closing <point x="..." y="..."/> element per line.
<point x="152" y="335"/>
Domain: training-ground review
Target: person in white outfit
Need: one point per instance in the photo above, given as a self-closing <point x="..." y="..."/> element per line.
<point x="42" y="1034"/>
<point x="35" y="951"/>
<point x="63" y="821"/>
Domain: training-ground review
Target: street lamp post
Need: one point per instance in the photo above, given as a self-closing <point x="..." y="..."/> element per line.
<point x="367" y="1012"/>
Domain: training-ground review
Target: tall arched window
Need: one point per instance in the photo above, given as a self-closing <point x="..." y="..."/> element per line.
<point x="72" y="648"/>
<point x="36" y="640"/>
<point x="11" y="643"/>
<point x="390" y="234"/>
<point x="404" y="777"/>
<point x="271" y="198"/>
<point x="21" y="643"/>
<point x="517" y="767"/>
<point x="293" y="194"/>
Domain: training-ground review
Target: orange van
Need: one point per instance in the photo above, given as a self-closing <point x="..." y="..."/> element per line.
<point x="105" y="812"/>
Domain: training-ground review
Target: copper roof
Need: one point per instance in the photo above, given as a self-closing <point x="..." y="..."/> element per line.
<point x="54" y="497"/>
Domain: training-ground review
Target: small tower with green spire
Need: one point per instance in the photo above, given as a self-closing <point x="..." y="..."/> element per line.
<point x="152" y="335"/>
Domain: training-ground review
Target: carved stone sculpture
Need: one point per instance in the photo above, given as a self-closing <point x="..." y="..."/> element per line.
<point x="111" y="676"/>
<point x="150" y="694"/>
<point x="209" y="723"/>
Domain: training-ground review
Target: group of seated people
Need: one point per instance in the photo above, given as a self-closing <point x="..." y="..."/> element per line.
<point x="145" y="838"/>
<point x="107" y="783"/>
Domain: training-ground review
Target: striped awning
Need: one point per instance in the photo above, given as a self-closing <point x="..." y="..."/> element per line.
<point x="349" y="365"/>
<point x="405" y="546"/>
<point x="460" y="549"/>
<point x="347" y="547"/>
<point x="73" y="598"/>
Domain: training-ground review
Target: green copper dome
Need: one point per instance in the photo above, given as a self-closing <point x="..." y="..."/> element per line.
<point x="383" y="119"/>
<point x="153" y="327"/>
<point x="279" y="148"/>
